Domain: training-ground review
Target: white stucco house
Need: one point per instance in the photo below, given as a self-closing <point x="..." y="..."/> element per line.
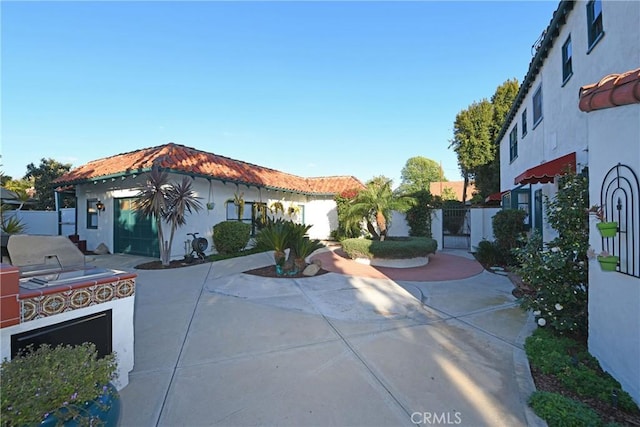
<point x="106" y="188"/>
<point x="612" y="110"/>
<point x="545" y="133"/>
<point x="578" y="109"/>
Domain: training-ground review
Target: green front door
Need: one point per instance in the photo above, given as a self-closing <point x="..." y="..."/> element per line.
<point x="537" y="210"/>
<point x="134" y="234"/>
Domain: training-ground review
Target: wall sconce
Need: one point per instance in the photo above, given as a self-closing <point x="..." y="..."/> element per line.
<point x="100" y="206"/>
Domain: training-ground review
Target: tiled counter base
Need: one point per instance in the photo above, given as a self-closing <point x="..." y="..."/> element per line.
<point x="23" y="310"/>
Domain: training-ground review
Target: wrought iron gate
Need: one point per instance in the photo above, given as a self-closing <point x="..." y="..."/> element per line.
<point x="456" y="228"/>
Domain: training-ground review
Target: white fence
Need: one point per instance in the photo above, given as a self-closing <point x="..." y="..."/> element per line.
<point x="480" y="225"/>
<point x="46" y="222"/>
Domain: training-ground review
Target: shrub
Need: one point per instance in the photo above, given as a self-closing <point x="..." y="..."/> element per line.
<point x="231" y="236"/>
<point x="509" y="229"/>
<point x="53" y="381"/>
<point x="577" y="370"/>
<point x="346" y="229"/>
<point x="390" y="248"/>
<point x="560" y="411"/>
<point x="488" y="253"/>
<point x="419" y="215"/>
<point x="558" y="271"/>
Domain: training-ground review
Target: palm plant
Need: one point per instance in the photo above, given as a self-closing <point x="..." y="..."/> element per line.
<point x="302" y="248"/>
<point x="162" y="200"/>
<point x="375" y="203"/>
<point x="275" y="236"/>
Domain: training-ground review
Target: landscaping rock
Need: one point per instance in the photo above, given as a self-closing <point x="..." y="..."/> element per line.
<point x="311" y="270"/>
<point x="102" y="249"/>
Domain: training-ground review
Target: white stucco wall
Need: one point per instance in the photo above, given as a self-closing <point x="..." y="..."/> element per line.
<point x="614" y="298"/>
<point x="122" y="332"/>
<point x="563" y="128"/>
<point x="481" y="226"/>
<point x="317" y="211"/>
<point x="399" y="226"/>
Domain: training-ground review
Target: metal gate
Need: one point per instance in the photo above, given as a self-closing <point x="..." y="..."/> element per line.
<point x="456" y="228"/>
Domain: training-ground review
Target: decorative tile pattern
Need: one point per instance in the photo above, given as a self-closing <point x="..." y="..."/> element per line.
<point x="79" y="296"/>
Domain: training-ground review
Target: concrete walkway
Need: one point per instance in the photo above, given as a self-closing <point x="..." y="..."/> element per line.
<point x="217" y="347"/>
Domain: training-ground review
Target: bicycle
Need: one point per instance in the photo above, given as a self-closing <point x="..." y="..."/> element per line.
<point x="198" y="246"/>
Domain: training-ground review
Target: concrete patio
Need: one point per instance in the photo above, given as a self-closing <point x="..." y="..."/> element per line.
<point x="217" y="347"/>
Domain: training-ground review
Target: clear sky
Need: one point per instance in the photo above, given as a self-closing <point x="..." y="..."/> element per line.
<point x="310" y="88"/>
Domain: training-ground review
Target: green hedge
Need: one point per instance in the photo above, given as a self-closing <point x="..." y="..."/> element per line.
<point x="231" y="236"/>
<point x="392" y="247"/>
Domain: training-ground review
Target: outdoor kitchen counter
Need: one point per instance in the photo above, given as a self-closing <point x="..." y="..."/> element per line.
<point x="20" y="304"/>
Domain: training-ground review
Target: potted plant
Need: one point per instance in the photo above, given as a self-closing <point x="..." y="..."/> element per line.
<point x="608" y="262"/>
<point x="238" y="200"/>
<point x="606" y="228"/>
<point x="63" y="385"/>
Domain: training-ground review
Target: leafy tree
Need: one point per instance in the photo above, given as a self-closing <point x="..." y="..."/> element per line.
<point x="475" y="133"/>
<point x="22" y="187"/>
<point x="472" y="140"/>
<point x="162" y="200"/>
<point x="43" y="176"/>
<point x="418" y="173"/>
<point x="487" y="176"/>
<point x="375" y="203"/>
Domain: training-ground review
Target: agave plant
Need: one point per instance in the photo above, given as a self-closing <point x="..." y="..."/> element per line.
<point x="12" y="224"/>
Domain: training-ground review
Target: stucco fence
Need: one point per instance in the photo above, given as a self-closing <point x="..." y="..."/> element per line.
<point x="479" y="220"/>
<point x="51" y="223"/>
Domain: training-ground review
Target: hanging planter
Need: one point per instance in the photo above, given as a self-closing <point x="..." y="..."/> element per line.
<point x="608" y="262"/>
<point x="607" y="229"/>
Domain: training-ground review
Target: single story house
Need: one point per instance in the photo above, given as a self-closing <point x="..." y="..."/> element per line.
<point x="106" y="189"/>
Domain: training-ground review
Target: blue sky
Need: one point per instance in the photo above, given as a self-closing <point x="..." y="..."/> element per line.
<point x="310" y="88"/>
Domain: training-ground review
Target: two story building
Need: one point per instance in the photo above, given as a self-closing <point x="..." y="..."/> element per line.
<point x="545" y="134"/>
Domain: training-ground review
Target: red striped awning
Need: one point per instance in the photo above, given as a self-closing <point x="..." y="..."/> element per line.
<point x="547" y="172"/>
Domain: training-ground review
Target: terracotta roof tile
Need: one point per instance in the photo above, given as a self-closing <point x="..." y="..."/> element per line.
<point x="181" y="159"/>
<point x="611" y="91"/>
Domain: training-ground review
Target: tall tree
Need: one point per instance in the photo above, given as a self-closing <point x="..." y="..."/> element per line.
<point x="472" y="140"/>
<point x="418" y="173"/>
<point x="43" y="176"/>
<point x="487" y="176"/>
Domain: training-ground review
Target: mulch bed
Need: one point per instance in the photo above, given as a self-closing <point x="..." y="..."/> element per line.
<point x="270" y="271"/>
<point x="157" y="265"/>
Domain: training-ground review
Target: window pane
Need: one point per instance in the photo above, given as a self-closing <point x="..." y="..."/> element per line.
<point x="537" y="106"/>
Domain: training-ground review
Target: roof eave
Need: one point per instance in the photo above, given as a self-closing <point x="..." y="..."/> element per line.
<point x="553" y="30"/>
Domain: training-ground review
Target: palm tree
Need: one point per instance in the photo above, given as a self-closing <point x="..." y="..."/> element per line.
<point x="162" y="200"/>
<point x="376" y="203"/>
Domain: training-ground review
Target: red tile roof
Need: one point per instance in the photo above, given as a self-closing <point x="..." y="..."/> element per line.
<point x="181" y="159"/>
<point x="611" y="91"/>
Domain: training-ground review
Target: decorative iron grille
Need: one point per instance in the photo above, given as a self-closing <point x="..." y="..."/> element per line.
<point x="619" y="198"/>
